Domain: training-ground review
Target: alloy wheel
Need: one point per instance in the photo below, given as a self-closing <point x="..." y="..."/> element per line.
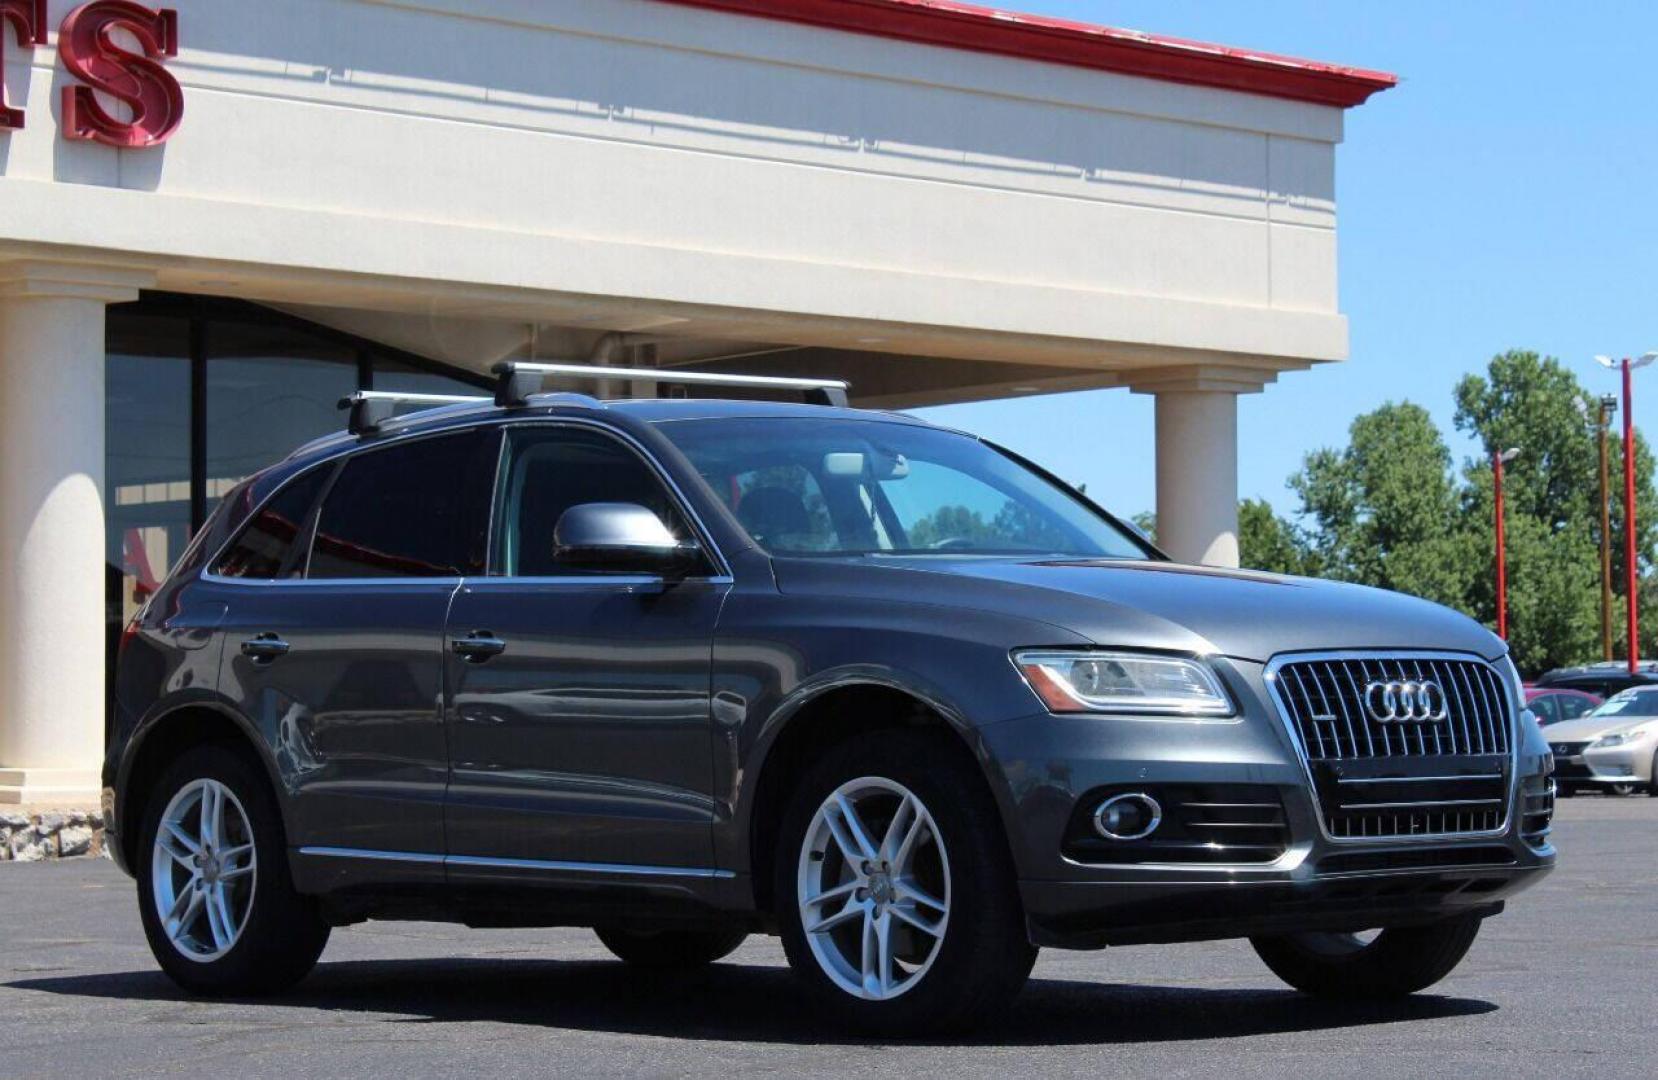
<point x="203" y="868"/>
<point x="874" y="888"/>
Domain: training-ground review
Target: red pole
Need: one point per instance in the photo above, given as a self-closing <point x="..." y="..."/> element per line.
<point x="1502" y="564"/>
<point x="1629" y="513"/>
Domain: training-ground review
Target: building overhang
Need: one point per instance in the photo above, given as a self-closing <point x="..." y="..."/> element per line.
<point x="955" y="25"/>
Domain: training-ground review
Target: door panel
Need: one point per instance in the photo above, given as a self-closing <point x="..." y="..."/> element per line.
<point x="586" y="739"/>
<point x="334" y="638"/>
<point x="352" y="707"/>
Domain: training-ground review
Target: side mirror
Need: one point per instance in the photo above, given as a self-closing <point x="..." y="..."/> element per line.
<point x="621" y="537"/>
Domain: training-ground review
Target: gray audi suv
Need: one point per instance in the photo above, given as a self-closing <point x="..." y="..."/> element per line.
<point x="685" y="670"/>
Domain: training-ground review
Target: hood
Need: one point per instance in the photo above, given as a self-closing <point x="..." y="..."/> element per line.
<point x="1160" y="605"/>
<point x="1591" y="727"/>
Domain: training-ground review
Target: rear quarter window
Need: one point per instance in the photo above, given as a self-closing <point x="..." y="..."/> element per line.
<point x="271" y="544"/>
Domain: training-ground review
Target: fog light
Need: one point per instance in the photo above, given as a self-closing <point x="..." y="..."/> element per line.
<point x="1128" y="817"/>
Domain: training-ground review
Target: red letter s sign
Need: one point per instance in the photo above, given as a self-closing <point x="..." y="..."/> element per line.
<point x="85" y="41"/>
<point x="28" y="18"/>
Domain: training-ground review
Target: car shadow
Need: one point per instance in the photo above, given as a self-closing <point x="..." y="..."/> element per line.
<point x="733" y="1002"/>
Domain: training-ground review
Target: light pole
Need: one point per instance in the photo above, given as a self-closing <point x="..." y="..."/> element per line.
<point x="1497" y="463"/>
<point x="1632" y="601"/>
<point x="1608" y="406"/>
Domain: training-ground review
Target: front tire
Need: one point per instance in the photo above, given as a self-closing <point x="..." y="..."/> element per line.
<point x="668" y="949"/>
<point x="214" y="892"/>
<point x="1396" y="963"/>
<point x="892" y="852"/>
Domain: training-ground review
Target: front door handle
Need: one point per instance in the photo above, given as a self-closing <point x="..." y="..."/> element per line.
<point x="478" y="646"/>
<point x="264" y="648"/>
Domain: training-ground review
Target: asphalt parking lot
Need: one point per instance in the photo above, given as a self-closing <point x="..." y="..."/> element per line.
<point x="1564" y="984"/>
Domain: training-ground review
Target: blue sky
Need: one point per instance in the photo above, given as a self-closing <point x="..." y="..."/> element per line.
<point x="1503" y="195"/>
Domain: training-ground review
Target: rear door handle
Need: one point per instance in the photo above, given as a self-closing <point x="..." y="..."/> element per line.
<point x="264" y="648"/>
<point x="478" y="646"/>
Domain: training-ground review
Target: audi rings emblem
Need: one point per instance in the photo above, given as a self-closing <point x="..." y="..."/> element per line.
<point x="1405" y="701"/>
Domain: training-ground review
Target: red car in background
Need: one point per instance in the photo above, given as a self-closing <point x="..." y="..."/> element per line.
<point x="1552" y="704"/>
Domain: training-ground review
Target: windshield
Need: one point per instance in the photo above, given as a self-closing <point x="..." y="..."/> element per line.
<point x="857" y="487"/>
<point x="1631" y="703"/>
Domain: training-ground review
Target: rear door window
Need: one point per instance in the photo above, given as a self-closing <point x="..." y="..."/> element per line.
<point x="419" y="509"/>
<point x="1572" y="706"/>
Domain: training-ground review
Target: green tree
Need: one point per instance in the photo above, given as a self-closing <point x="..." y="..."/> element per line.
<point x="951" y="523"/>
<point x="1552" y="516"/>
<point x="1385" y="510"/>
<point x="1268" y="542"/>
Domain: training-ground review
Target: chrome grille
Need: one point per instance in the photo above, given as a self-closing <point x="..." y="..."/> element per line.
<point x="1376" y="780"/>
<point x="1325" y="701"/>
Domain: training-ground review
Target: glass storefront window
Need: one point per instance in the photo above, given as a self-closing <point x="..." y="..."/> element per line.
<point x="390" y="374"/>
<point x="146" y="459"/>
<point x="147" y="452"/>
<point x="269" y="389"/>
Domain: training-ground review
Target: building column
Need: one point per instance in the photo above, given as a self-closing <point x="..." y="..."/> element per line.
<point x="1197" y="458"/>
<point x="52" y="527"/>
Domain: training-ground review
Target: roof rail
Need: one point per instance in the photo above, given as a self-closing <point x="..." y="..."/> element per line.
<point x="371" y="408"/>
<point x="517" y="381"/>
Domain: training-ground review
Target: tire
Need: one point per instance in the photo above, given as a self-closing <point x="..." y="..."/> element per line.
<point x="264" y="936"/>
<point x="1565" y="791"/>
<point x="1396" y="963"/>
<point x="665" y="949"/>
<point x="1652" y="784"/>
<point x="1622" y="791"/>
<point x="949" y="871"/>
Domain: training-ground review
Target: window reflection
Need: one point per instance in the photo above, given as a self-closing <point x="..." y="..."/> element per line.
<point x="147" y="459"/>
<point x="269" y="389"/>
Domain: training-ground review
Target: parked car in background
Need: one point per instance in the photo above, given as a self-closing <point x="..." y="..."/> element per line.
<point x="1552" y="705"/>
<point x="1602" y="679"/>
<point x="1612" y="748"/>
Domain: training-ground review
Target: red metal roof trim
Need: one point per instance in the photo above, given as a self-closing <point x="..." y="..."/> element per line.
<point x="1057" y="41"/>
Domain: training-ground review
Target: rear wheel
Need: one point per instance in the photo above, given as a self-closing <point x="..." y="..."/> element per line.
<point x="670" y="948"/>
<point x="1652" y="784"/>
<point x="217" y="903"/>
<point x="1391" y="963"/>
<point x="895" y="890"/>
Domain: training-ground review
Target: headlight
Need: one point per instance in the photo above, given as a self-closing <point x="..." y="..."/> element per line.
<point x="1606" y="742"/>
<point x="1079" y="682"/>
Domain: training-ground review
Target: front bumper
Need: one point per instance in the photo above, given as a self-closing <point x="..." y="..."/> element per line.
<point x="1050" y="767"/>
<point x="1631" y="763"/>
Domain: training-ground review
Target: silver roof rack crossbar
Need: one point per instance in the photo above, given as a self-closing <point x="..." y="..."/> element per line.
<point x="519" y="380"/>
<point x="371" y="408"/>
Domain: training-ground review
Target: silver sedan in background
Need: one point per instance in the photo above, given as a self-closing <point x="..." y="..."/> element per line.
<point x="1614" y="748"/>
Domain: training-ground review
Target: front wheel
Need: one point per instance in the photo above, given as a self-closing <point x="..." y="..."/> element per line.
<point x="670" y="948"/>
<point x="895" y="889"/>
<point x="214" y="894"/>
<point x="1393" y="963"/>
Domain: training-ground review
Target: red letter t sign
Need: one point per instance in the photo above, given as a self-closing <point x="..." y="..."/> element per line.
<point x="28" y="19"/>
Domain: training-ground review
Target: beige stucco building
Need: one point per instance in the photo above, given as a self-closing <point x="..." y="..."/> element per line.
<point x="937" y="202"/>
